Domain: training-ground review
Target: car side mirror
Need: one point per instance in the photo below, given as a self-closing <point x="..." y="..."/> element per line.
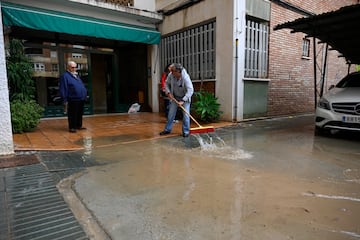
<point x="331" y="86"/>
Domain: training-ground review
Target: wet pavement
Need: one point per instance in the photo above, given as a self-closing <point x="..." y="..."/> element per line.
<point x="101" y="130"/>
<point x="266" y="179"/>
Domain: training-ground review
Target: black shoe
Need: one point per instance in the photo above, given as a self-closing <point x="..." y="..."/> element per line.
<point x="164" y="132"/>
<point x="185" y="135"/>
<point x="72" y="130"/>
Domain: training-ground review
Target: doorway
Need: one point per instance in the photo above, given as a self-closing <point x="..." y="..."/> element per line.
<point x="102" y="83"/>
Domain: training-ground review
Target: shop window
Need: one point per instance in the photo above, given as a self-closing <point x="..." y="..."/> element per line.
<point x="33" y="51"/>
<point x="53" y="95"/>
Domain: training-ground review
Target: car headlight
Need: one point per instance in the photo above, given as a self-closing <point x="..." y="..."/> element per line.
<point x="323" y="103"/>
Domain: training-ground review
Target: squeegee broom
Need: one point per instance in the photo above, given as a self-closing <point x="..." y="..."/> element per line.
<point x="199" y="129"/>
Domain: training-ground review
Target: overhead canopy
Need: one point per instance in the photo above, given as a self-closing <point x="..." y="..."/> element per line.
<point x="40" y="19"/>
<point x="340" y="29"/>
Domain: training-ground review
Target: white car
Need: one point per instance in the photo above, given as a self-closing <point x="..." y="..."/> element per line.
<point x="339" y="108"/>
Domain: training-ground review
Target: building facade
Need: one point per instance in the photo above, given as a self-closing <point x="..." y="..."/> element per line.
<point x="291" y="58"/>
<point x="112" y="43"/>
<point x="229" y="48"/>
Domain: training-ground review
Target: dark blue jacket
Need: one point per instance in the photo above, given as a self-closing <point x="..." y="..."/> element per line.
<point x="72" y="88"/>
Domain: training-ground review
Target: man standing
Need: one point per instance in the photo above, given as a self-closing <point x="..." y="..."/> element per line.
<point x="74" y="93"/>
<point x="178" y="87"/>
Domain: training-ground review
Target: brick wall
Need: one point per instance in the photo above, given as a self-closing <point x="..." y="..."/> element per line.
<point x="291" y="89"/>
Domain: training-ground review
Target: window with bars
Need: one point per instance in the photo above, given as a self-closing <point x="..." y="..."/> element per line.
<point x="194" y="48"/>
<point x="54" y="67"/>
<point x="306" y="48"/>
<point x="39" y="67"/>
<point x="76" y="55"/>
<point x="256" y="49"/>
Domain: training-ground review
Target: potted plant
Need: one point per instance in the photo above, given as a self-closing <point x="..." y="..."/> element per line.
<point x="206" y="106"/>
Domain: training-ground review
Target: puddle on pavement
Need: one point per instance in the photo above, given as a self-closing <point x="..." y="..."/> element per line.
<point x="89" y="143"/>
<point x="257" y="182"/>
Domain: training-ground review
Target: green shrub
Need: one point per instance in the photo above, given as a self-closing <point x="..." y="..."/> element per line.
<point x="206" y="107"/>
<point x="25" y="112"/>
<point x="19" y="73"/>
<point x="25" y="115"/>
<point x="357" y="67"/>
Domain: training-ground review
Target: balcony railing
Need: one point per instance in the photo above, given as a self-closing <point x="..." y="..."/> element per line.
<point x="120" y="2"/>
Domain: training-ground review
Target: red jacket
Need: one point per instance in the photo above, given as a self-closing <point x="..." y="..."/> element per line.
<point x="163" y="80"/>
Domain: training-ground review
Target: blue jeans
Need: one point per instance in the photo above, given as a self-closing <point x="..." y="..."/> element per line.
<point x="172" y="114"/>
<point x="166" y="104"/>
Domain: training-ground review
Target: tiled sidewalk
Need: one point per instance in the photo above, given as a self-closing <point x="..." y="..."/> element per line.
<point x="52" y="134"/>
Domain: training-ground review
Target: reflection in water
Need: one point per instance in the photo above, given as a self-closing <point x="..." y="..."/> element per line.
<point x="87" y="141"/>
<point x="311" y="194"/>
<point x="236" y="210"/>
<point x="352" y="234"/>
<point x="189" y="180"/>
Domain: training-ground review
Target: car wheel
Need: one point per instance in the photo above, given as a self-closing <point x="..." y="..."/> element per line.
<point x="321" y="131"/>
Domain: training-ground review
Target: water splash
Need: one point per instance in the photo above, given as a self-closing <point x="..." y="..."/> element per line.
<point x="205" y="140"/>
<point x="214" y="146"/>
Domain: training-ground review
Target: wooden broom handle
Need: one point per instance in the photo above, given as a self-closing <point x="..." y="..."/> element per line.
<point x="184" y="110"/>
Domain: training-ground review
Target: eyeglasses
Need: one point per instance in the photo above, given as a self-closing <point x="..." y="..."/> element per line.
<point x="72" y="67"/>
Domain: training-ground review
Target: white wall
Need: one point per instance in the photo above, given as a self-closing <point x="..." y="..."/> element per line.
<point x="148" y="5"/>
<point x="155" y="79"/>
<point x="224" y="13"/>
<point x="6" y="138"/>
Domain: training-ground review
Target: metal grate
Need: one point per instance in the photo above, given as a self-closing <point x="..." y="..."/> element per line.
<point x="33" y="208"/>
<point x="256" y="49"/>
<point x="194" y="48"/>
<point x="120" y="2"/>
<point x="347" y="108"/>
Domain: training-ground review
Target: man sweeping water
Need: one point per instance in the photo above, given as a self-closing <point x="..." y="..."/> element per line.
<point x="179" y="89"/>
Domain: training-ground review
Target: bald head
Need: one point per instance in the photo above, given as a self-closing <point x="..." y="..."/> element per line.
<point x="71" y="66"/>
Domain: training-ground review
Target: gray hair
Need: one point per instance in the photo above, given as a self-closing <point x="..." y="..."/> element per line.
<point x="178" y="67"/>
<point x="71" y="63"/>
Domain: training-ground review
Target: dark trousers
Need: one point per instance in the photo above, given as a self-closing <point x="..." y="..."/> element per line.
<point x="75" y="114"/>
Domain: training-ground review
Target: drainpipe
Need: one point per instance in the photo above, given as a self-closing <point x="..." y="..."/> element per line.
<point x="236" y="81"/>
<point x="315" y="78"/>
<point x="239" y="58"/>
<point x="323" y="71"/>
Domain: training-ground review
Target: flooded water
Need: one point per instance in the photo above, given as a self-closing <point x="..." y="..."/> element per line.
<point x="270" y="179"/>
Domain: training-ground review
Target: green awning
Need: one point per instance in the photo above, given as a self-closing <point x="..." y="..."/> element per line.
<point x="41" y="19"/>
